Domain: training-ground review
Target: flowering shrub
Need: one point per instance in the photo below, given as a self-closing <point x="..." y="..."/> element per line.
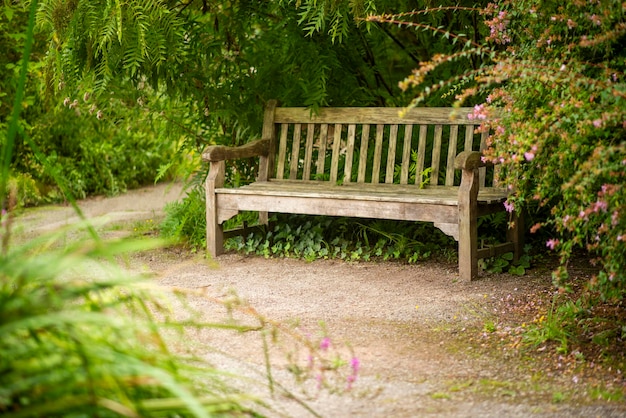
<point x="556" y="91"/>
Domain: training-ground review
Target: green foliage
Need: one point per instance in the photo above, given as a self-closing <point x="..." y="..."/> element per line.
<point x="318" y="237"/>
<point x="185" y="220"/>
<point x="556" y="89"/>
<point x="79" y="344"/>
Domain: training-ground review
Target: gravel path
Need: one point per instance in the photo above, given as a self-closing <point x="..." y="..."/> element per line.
<point x="405" y="324"/>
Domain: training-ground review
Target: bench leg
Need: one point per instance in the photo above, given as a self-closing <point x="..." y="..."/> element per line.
<point x="214" y="230"/>
<point x="468" y="248"/>
<point x="468" y="225"/>
<point x="264" y="218"/>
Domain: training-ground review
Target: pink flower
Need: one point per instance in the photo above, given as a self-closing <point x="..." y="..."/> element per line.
<point x="597" y="123"/>
<point x="595" y="19"/>
<point x="355" y="364"/>
<point x="552" y="243"/>
<point x="325" y="344"/>
<point x="600" y="205"/>
<point x="509" y="206"/>
<point x="529" y="156"/>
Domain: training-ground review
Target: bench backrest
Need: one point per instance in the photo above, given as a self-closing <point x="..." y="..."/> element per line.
<point x="370" y="145"/>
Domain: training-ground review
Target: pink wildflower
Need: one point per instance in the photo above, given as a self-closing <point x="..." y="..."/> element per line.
<point x="597" y="123"/>
<point x="595" y="19"/>
<point x="325" y="344"/>
<point x="600" y="205"/>
<point x="552" y="243"/>
<point x="529" y="156"/>
<point x="355" y="364"/>
<point x="509" y="206"/>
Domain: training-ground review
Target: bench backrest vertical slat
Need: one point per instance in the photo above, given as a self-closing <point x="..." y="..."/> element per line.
<point x="452" y="142"/>
<point x="434" y="174"/>
<point x="391" y="153"/>
<point x="295" y="152"/>
<point x="282" y="151"/>
<point x="482" y="171"/>
<point x="469" y="137"/>
<point x="421" y="154"/>
<point x="378" y="152"/>
<point x="308" y="151"/>
<point x="365" y="139"/>
<point x="321" y="151"/>
<point x="347" y="173"/>
<point x="334" y="162"/>
<point x="406" y="154"/>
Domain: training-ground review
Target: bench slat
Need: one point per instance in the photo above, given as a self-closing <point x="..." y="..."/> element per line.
<point x="378" y="152"/>
<point x="406" y="154"/>
<point x="434" y="175"/>
<point x="308" y="152"/>
<point x="391" y="153"/>
<point x="365" y="139"/>
<point x="421" y="154"/>
<point x="282" y="151"/>
<point x="469" y="138"/>
<point x="375" y="115"/>
<point x="321" y="156"/>
<point x="393" y="192"/>
<point x="295" y="151"/>
<point x="334" y="163"/>
<point x="482" y="171"/>
<point x="454" y="133"/>
<point x="347" y="173"/>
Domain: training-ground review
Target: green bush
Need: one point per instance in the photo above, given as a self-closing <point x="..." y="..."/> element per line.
<point x="556" y="90"/>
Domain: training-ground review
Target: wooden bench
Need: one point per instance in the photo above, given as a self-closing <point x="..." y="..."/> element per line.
<point x="366" y="163"/>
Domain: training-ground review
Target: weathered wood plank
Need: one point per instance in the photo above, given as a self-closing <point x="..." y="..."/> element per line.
<point x="483" y="170"/>
<point x="452" y="142"/>
<point x="295" y="151"/>
<point x="336" y="206"/>
<point x="468" y="225"/>
<point x="378" y="152"/>
<point x="434" y="174"/>
<point x="375" y="115"/>
<point x="391" y="153"/>
<point x="334" y="162"/>
<point x="347" y="175"/>
<point x="444" y="195"/>
<point x="365" y="138"/>
<point x="266" y="164"/>
<point x="321" y="152"/>
<point x="214" y="229"/>
<point x="282" y="151"/>
<point x="421" y="154"/>
<point x="308" y="151"/>
<point x="406" y="154"/>
<point x="469" y="138"/>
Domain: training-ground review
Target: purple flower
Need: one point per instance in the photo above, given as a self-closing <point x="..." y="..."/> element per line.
<point x="509" y="206"/>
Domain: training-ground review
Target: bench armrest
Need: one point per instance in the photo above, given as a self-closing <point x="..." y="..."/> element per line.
<point x="252" y="149"/>
<point x="469" y="160"/>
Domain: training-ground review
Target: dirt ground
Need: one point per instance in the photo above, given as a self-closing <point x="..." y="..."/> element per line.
<point x="424" y="339"/>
